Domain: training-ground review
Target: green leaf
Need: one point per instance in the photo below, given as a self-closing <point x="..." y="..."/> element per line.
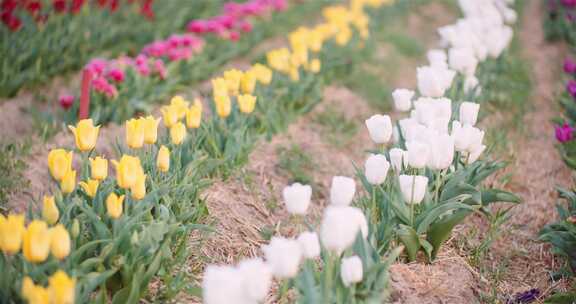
<point x="441" y="230"/>
<point x="496" y="195"/>
<point x="410" y="239"/>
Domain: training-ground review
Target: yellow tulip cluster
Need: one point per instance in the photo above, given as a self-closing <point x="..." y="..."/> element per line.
<point x="177" y="110"/>
<point x="36" y="241"/>
<point x="60" y="290"/>
<point x="240" y="85"/>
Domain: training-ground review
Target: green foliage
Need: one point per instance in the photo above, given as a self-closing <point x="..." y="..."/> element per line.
<point x="12" y="165"/>
<point x="338" y="129"/>
<point x="296" y="163"/>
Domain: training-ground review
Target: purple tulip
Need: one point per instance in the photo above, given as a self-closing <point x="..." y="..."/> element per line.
<point x="564" y="133"/>
<point x="569" y="3"/>
<point x="571" y="87"/>
<point x="569" y="66"/>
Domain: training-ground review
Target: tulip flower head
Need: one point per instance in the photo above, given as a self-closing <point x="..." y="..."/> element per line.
<point x="469" y="112"/>
<point x="114" y="205"/>
<point x="60" y="243"/>
<point x="222" y="284"/>
<point x="246" y="103"/>
<point x="135" y="133"/>
<point x="564" y="133"/>
<point x="169" y="115"/>
<point x="34" y="293"/>
<point x="256" y="279"/>
<point x="59" y="163"/>
<point x="90" y="187"/>
<point x="403" y="99"/>
<point x="194" y="115"/>
<point x="297" y="198"/>
<point x="62" y="287"/>
<point x="128" y="169"/>
<point x="150" y="125"/>
<point x="433" y="80"/>
<point x="138" y="190"/>
<point x="223" y="105"/>
<point x="233" y="79"/>
<point x="315" y="65"/>
<point x="68" y="182"/>
<point x="569" y="66"/>
<point x="180" y="105"/>
<point x="413" y="188"/>
<point x="262" y="73"/>
<point x="380" y="128"/>
<point x="12" y="232"/>
<point x="417" y="154"/>
<point x="177" y="133"/>
<point x="351" y="270"/>
<point x="340" y="226"/>
<point x="248" y="82"/>
<point x="342" y="191"/>
<point x="99" y="168"/>
<point x="571" y="87"/>
<point x="397" y="158"/>
<point x="283" y="256"/>
<point x="463" y="60"/>
<point x="163" y="159"/>
<point x="36" y="242"/>
<point x="86" y="134"/>
<point x="309" y="244"/>
<point x="50" y="211"/>
<point x="376" y="169"/>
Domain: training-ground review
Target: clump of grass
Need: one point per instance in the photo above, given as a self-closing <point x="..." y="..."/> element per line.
<point x="405" y="45"/>
<point x="12" y="166"/>
<point x="295" y="163"/>
<point x="337" y="129"/>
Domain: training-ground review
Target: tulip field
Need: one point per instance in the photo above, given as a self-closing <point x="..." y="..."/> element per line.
<point x="288" y="151"/>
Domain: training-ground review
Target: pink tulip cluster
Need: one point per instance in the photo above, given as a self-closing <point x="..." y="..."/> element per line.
<point x="564" y="133"/>
<point x="175" y="48"/>
<point x="235" y="18"/>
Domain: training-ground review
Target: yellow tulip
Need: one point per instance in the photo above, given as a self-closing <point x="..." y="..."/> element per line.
<point x="34" y="294"/>
<point x="114" y="205"/>
<point x="279" y="59"/>
<point x="343" y="36"/>
<point x="90" y="187"/>
<point x="233" y="78"/>
<point x="299" y="56"/>
<point x="60" y="242"/>
<point x="248" y="82"/>
<point x="194" y="115"/>
<point x="150" y="125"/>
<point x="246" y="103"/>
<point x="178" y="133"/>
<point x="138" y="190"/>
<point x="127" y="170"/>
<point x="294" y="74"/>
<point x="169" y="115"/>
<point x="68" y="183"/>
<point x="62" y="288"/>
<point x="180" y="106"/>
<point x="163" y="159"/>
<point x="315" y="65"/>
<point x="86" y="134"/>
<point x="59" y="162"/>
<point x="50" y="211"/>
<point x="219" y="86"/>
<point x="134" y="133"/>
<point x="36" y="242"/>
<point x="99" y="168"/>
<point x="223" y="105"/>
<point x="11" y="233"/>
<point x="316" y="41"/>
<point x="263" y="73"/>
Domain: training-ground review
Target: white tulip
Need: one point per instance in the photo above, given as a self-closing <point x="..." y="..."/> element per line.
<point x="310" y="244"/>
<point x="472" y="83"/>
<point x="413" y="188"/>
<point x="380" y="128"/>
<point x="474" y="154"/>
<point x="376" y="169"/>
<point x="396" y="134"/>
<point x="463" y="60"/>
<point x="432" y="81"/>
<point x="351" y="270"/>
<point x="257" y="279"/>
<point x="437" y="58"/>
<point x="402" y="99"/>
<point x="441" y="152"/>
<point x="223" y="285"/>
<point x="417" y="154"/>
<point x="406" y="126"/>
<point x="434" y="113"/>
<point x="340" y="226"/>
<point x="397" y="158"/>
<point x="283" y="255"/>
<point x="469" y="112"/>
<point x="342" y="190"/>
<point x="466" y="138"/>
<point x="297" y="198"/>
<point x="498" y="39"/>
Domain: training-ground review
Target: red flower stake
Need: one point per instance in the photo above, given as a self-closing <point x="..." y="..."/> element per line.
<point x="85" y="95"/>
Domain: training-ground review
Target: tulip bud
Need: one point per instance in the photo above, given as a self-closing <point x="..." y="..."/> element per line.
<point x="59" y="163"/>
<point x="397" y="158"/>
<point x="127" y="171"/>
<point x="246" y="103"/>
<point x="194" y="115"/>
<point x="50" y="211"/>
<point x="463" y="60"/>
<point x="177" y="133"/>
<point x="135" y="133"/>
<point x="309" y="244"/>
<point x="380" y="128"/>
<point x="297" y="198"/>
<point x="12" y="232"/>
<point x="90" y="187"/>
<point x="402" y="99"/>
<point x="99" y="168"/>
<point x="340" y="226"/>
<point x="469" y="113"/>
<point x="413" y="188"/>
<point x="163" y="159"/>
<point x="283" y="256"/>
<point x="36" y="242"/>
<point x="62" y="288"/>
<point x="351" y="270"/>
<point x="34" y="293"/>
<point x="86" y="134"/>
<point x="248" y="82"/>
<point x="257" y="279"/>
<point x="59" y="242"/>
<point x="68" y="183"/>
<point x="150" y="125"/>
<point x="219" y="87"/>
<point x="138" y="190"/>
<point x="466" y="138"/>
<point x="263" y="73"/>
<point x="179" y="106"/>
<point x="75" y="230"/>
<point x="433" y="80"/>
<point x="417" y="154"/>
<point x="224" y="284"/>
<point x="233" y="78"/>
<point x="223" y="105"/>
<point x="114" y="205"/>
<point x="169" y="115"/>
<point x="315" y="65"/>
<point x="441" y="151"/>
<point x="376" y="169"/>
<point x="342" y="191"/>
